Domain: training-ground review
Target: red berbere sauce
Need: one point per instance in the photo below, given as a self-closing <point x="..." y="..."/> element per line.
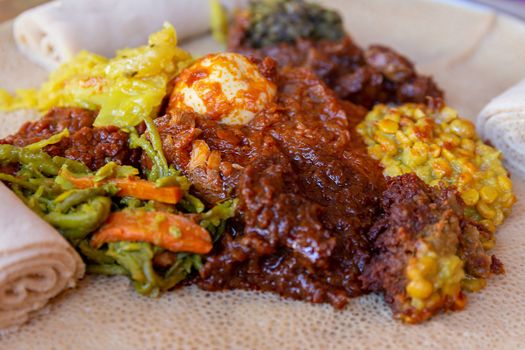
<point x="307" y="190"/>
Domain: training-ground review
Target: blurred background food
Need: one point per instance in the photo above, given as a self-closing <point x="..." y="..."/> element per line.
<point x="9" y="9"/>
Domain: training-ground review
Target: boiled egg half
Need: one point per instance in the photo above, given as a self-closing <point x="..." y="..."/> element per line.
<point x="227" y="87"/>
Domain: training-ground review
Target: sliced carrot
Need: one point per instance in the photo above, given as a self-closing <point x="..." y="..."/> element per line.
<point x="147" y="190"/>
<point x="131" y="186"/>
<point x="78" y="182"/>
<point x="172" y="232"/>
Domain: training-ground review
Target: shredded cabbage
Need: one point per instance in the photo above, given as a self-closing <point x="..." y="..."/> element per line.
<point x="56" y="138"/>
<point x="126" y="89"/>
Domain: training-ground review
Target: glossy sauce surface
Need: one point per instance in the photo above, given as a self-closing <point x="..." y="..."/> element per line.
<point x="307" y="190"/>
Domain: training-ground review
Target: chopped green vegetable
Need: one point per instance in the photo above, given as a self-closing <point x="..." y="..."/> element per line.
<point x="79" y="212"/>
<point x="82" y="220"/>
<point x="71" y="198"/>
<point x="38" y="161"/>
<point x="285" y="21"/>
<point x="137" y="259"/>
<point x="112" y="169"/>
<point x="191" y="204"/>
<point x="97" y="256"/>
<point x="215" y="219"/>
<point x="50" y="141"/>
<point x="176" y="179"/>
<point x="75" y="213"/>
<point x="153" y="150"/>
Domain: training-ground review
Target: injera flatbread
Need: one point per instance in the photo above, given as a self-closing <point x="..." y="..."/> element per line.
<point x="502" y="122"/>
<point x="36" y="262"/>
<point x="107" y="313"/>
<point x="54" y="32"/>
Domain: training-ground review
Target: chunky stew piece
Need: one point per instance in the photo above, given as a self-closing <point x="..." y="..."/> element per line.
<point x="307" y="190"/>
<point x="92" y="146"/>
<point x="425" y="252"/>
<point x="301" y="237"/>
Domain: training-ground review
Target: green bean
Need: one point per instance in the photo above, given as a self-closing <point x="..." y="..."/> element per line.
<point x="151" y="284"/>
<point x="38" y="160"/>
<point x="136" y="141"/>
<point x="36" y="206"/>
<point x="153" y="149"/>
<point x="72" y="165"/>
<point x="112" y="169"/>
<point x="179" y="270"/>
<point x="131" y="202"/>
<point x="79" y="223"/>
<point x="220" y="212"/>
<point x="174" y="180"/>
<point x="56" y="138"/>
<point x="45" y="185"/>
<point x="214" y="220"/>
<point x="8" y="154"/>
<point x="30" y="172"/>
<point x="19" y="181"/>
<point x="97" y="256"/>
<point x="137" y="259"/>
<point x="156" y="143"/>
<point x="172" y="280"/>
<point x="106" y="171"/>
<point x="76" y="197"/>
<point x="191" y="204"/>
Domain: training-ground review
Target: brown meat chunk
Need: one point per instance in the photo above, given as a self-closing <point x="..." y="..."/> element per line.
<point x="301" y="239"/>
<point x="92" y="146"/>
<point x="56" y="120"/>
<point x="423" y="236"/>
<point x="362" y="76"/>
<point x="389" y="63"/>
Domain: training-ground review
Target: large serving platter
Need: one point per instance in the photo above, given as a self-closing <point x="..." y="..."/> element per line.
<point x="474" y="54"/>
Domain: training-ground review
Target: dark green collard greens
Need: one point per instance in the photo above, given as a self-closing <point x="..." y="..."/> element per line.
<point x="284" y="21"/>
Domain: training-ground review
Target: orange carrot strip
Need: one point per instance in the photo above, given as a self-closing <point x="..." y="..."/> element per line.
<point x="79" y="182"/>
<point x="131" y="186"/>
<point x="172" y="232"/>
<point x="147" y="190"/>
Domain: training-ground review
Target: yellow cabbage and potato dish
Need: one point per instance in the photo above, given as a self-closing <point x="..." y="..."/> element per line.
<point x="126" y="89"/>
